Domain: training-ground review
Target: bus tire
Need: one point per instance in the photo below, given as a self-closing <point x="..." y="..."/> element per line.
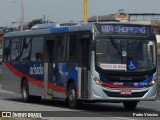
<point x="130" y="105"/>
<point x="25" y="92"/>
<point x="72" y="96"/>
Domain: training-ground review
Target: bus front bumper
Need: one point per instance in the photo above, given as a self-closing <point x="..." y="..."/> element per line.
<point x="99" y="93"/>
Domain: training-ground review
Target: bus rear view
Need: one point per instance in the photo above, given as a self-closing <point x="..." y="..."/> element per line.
<point x="124" y="64"/>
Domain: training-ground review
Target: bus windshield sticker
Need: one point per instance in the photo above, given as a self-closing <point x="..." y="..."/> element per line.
<point x="132" y="65"/>
<point x="113" y="66"/>
<point x="124" y="53"/>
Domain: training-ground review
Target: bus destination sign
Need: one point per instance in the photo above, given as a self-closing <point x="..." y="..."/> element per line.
<point x="124" y="29"/>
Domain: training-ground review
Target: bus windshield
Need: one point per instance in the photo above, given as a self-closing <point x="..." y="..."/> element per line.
<point x="126" y="54"/>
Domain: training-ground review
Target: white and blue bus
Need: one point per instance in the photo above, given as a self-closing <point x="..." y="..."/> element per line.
<point x="82" y="62"/>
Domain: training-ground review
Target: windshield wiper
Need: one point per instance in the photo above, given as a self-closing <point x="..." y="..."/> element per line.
<point x="116" y="47"/>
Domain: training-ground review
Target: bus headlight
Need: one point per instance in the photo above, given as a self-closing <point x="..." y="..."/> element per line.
<point x="96" y="80"/>
<point x="154" y="81"/>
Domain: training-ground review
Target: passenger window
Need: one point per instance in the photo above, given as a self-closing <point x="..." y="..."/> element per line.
<point x="7" y="50"/>
<point x="60" y="48"/>
<point x="37" y="49"/>
<point x="72" y="48"/>
<point x="26" y="49"/>
<point x="16" y="49"/>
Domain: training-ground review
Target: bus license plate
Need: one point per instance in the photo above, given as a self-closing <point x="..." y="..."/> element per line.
<point x="126" y="92"/>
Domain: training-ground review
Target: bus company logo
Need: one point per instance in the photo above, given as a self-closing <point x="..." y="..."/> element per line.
<point x="117" y="83"/>
<point x="36" y="70"/>
<point x="135" y="84"/>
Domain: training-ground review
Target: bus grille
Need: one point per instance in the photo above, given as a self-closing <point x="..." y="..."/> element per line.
<point x="126" y="78"/>
<point x="117" y="94"/>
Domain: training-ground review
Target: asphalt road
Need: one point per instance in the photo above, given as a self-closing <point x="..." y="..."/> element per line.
<point x="12" y="102"/>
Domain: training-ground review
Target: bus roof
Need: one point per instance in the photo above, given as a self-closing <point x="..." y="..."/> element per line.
<point x="43" y="29"/>
<point x="49" y="28"/>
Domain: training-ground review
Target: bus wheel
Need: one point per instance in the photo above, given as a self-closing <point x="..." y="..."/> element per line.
<point x="25" y="92"/>
<point x="72" y="96"/>
<point x="130" y="105"/>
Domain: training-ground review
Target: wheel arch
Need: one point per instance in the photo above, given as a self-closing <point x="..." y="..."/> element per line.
<point x="69" y="88"/>
<point x="71" y="80"/>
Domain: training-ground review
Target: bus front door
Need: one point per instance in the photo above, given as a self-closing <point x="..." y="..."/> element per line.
<point x="48" y="68"/>
<point x="84" y="65"/>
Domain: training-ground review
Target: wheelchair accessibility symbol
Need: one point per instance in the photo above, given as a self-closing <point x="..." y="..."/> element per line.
<point x="132" y="65"/>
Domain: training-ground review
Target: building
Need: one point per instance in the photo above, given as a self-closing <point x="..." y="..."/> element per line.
<point x="142" y="18"/>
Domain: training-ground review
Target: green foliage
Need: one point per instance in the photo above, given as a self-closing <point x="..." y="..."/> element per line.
<point x="34" y="22"/>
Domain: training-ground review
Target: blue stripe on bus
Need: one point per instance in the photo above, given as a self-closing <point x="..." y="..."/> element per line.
<point x="142" y="84"/>
<point x="59" y="30"/>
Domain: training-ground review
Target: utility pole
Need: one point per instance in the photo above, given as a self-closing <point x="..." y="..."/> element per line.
<point x="85" y="11"/>
<point x="22" y="15"/>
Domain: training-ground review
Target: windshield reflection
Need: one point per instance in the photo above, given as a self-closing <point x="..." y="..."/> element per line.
<point x="130" y="54"/>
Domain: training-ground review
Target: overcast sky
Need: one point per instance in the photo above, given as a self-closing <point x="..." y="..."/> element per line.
<point x="66" y="10"/>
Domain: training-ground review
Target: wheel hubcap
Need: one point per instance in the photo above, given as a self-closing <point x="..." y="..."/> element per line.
<point x="72" y="95"/>
<point x="24" y="92"/>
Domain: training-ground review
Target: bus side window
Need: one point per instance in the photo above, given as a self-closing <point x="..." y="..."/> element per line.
<point x="49" y="47"/>
<point x="16" y="48"/>
<point x="37" y="49"/>
<point x="60" y="47"/>
<point x="26" y="49"/>
<point x="21" y="49"/>
<point x="49" y="51"/>
<point x="71" y="48"/>
<point x="7" y="50"/>
<point x="84" y="52"/>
